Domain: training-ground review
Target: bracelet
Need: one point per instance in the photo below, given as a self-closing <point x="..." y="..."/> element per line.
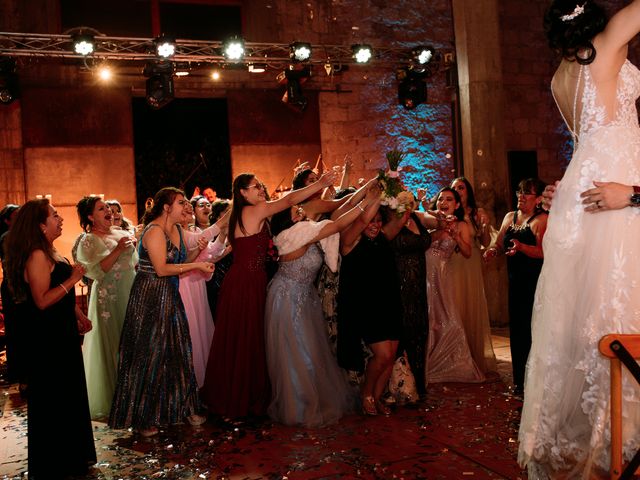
<point x="64" y="288"/>
<point x="360" y="207"/>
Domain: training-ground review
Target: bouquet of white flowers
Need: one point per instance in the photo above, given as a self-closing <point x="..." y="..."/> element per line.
<point x="393" y="193"/>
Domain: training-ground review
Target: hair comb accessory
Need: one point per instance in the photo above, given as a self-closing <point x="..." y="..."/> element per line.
<point x="579" y="10"/>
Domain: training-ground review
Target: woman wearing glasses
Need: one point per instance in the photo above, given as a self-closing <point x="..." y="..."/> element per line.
<point x="520" y="239"/>
<point x="236" y="380"/>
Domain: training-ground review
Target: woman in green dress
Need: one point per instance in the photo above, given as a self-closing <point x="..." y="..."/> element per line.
<point x="110" y="257"/>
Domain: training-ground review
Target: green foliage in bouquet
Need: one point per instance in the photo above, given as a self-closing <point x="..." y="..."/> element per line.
<point x="394" y="157"/>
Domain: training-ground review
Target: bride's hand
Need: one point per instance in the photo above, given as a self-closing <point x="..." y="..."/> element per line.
<point x="606" y="196"/>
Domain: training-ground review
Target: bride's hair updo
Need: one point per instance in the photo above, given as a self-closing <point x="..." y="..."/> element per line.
<point x="570" y="29"/>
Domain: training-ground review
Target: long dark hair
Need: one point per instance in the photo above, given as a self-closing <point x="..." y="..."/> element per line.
<point x="471" y="199"/>
<point x="458" y="212"/>
<point x="165" y="196"/>
<point x="242" y="181"/>
<point x="24" y="237"/>
<point x="571" y="36"/>
<point x="85" y="208"/>
<point x="299" y="181"/>
<point x="281" y="221"/>
<point x="217" y="209"/>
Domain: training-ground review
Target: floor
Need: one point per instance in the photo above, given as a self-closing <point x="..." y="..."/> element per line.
<point x="462" y="431"/>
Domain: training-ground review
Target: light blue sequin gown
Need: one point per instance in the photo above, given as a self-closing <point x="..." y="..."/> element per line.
<point x="308" y="386"/>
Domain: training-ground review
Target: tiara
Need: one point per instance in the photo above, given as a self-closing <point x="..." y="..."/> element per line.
<point x="579" y="10"/>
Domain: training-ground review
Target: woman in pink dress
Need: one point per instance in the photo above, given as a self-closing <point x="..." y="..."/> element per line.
<point x="236" y="381"/>
<point x="193" y="292"/>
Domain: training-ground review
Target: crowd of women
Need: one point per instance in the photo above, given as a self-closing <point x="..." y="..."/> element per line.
<point x="184" y="318"/>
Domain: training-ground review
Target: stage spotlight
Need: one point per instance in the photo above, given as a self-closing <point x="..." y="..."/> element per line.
<point x="233" y="49"/>
<point x="422" y="55"/>
<point x="159" y="88"/>
<point x="165" y="46"/>
<point x="412" y="89"/>
<point x="300" y="51"/>
<point x="105" y="74"/>
<point x="294" y="78"/>
<point x="257" y="67"/>
<point x="215" y="75"/>
<point x="362" y="53"/>
<point x="83" y="44"/>
<point x="8" y="81"/>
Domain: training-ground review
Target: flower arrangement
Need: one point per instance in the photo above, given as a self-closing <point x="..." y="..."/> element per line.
<point x="394" y="195"/>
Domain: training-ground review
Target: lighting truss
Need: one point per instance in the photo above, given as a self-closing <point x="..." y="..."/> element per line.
<point x="14" y="44"/>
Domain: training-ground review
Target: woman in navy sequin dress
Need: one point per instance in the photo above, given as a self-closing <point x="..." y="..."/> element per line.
<point x="156" y="382"/>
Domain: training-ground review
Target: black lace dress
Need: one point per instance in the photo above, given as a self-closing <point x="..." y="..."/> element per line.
<point x="409" y="253"/>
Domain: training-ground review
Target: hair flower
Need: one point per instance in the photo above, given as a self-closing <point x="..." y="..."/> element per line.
<point x="579" y="10"/>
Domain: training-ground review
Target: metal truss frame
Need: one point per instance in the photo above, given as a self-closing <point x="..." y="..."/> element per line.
<point x="128" y="49"/>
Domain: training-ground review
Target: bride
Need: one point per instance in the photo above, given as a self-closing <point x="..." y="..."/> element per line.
<point x="590" y="281"/>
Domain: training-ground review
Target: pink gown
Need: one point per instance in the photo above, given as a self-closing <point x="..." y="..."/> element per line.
<point x="193" y="292"/>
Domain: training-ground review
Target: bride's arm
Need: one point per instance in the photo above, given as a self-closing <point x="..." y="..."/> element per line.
<point x="613" y="42"/>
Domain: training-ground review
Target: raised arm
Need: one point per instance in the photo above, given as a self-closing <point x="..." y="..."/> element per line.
<point x="620" y="30"/>
<point x="266" y="209"/>
<point x="346" y="171"/>
<point x="353" y="199"/>
<point x="349" y="237"/>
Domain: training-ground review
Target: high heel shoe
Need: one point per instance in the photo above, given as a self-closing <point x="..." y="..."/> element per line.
<point x="382" y="409"/>
<point x="369" y="405"/>
<point x="149" y="432"/>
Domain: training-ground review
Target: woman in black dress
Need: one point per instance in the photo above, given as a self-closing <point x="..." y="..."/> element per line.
<point x="410" y="239"/>
<point x="42" y="284"/>
<point x="369" y="306"/>
<point x="520" y="239"/>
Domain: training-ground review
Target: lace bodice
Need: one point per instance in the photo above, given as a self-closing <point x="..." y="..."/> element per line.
<point x="303" y="270"/>
<point x="628" y="90"/>
<point x="578" y="97"/>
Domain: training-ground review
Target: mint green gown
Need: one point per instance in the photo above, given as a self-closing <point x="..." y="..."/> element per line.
<point x="107" y="307"/>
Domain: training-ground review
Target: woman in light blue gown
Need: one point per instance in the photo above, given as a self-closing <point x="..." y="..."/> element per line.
<point x="308" y="386"/>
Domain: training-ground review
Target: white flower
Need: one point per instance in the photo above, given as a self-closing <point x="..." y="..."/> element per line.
<point x="393" y="174"/>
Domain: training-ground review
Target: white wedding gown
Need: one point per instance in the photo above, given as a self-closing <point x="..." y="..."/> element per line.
<point x="589" y="287"/>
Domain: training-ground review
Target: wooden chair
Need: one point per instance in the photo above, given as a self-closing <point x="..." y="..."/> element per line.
<point x="620" y="348"/>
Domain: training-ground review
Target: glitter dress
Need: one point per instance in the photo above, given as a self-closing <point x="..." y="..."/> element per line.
<point x="236" y="382"/>
<point x="589" y="286"/>
<point x="107" y="307"/>
<point x="409" y="249"/>
<point x="448" y="355"/>
<point x="308" y="387"/>
<point x="156" y="381"/>
<point x="57" y="403"/>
